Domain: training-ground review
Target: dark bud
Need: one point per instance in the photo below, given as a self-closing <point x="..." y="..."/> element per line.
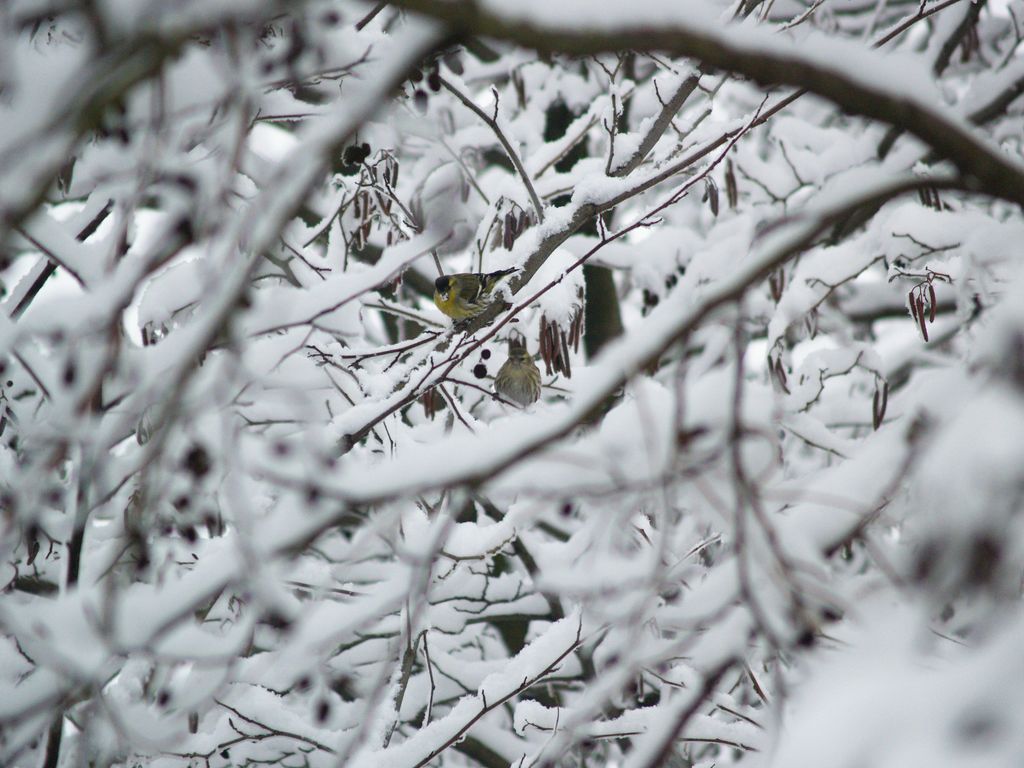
<point x="197" y="461"/>
<point x="32" y="542"/>
<point x="454" y="62"/>
<point x="711" y="194"/>
<point x="649" y="699"/>
<point x="356" y="153"/>
<point x="163" y="698"/>
<point x="924" y="561"/>
<point x="479" y="370"/>
<point x="185" y="231"/>
<point x="434" y="81"/>
<point x="566" y="510"/>
<point x="185" y="181"/>
<point x="806" y="638"/>
<point x="278" y="620"/>
<point x="486" y="354"/>
<point x="323" y="709"/>
<point x="420" y="100"/>
<point x="330" y="19"/>
<point x="181" y="503"/>
<point x="281" y="448"/>
<point x="342" y="686"/>
<point x="303" y="683"/>
<point x="671" y="594"/>
<point x="189" y="534"/>
<point x="416" y="76"/>
<point x="225" y="753"/>
<point x="313" y="494"/>
<point x="983" y="559"/>
<point x="69" y="374"/>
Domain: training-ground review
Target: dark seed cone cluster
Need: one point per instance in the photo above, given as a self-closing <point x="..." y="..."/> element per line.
<point x="556" y="341"/>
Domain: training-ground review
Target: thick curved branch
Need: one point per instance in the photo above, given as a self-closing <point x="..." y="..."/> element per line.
<point x="660" y="124"/>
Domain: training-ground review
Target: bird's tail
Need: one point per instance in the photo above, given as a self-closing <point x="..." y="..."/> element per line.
<point x="491" y="279"/>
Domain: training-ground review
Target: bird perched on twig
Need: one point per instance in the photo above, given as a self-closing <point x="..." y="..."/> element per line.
<point x="519" y="378"/>
<point x="467" y="294"/>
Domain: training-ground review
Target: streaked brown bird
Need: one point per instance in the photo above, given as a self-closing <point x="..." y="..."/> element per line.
<point x="467" y="294"/>
<point x="518" y="379"/>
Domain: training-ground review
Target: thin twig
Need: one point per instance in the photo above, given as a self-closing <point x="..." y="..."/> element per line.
<point x="361" y="24"/>
<point x="509" y="150"/>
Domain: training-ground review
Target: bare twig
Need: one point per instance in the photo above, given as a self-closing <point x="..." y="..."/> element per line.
<point x="509" y="149"/>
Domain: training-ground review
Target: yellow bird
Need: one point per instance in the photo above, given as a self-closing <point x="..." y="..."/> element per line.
<point x="466" y="294"/>
<point x="519" y="378"/>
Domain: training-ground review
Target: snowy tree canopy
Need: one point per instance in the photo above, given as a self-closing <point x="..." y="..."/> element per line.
<point x="260" y="504"/>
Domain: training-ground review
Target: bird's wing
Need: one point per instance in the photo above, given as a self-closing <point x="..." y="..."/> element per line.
<point x="470" y="290"/>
